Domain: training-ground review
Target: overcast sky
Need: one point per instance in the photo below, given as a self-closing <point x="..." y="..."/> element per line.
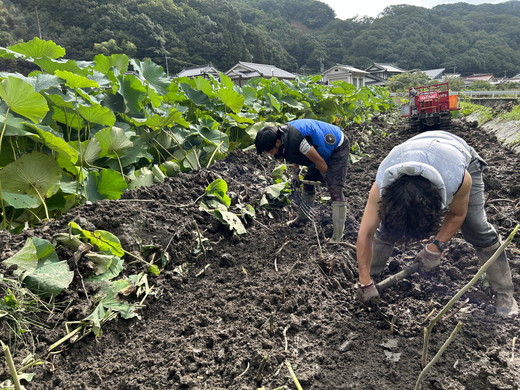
<point x="349" y="9"/>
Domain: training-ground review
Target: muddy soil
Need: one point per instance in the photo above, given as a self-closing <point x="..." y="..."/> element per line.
<point x="230" y="316"/>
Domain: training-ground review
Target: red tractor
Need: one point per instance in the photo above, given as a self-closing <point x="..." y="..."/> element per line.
<point x="430" y="107"/>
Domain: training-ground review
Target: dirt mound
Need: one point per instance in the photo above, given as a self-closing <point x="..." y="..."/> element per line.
<point x="230" y="314"/>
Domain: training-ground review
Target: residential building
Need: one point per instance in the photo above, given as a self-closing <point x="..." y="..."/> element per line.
<point x="242" y="72"/>
<point x="345" y="73"/>
<point x="379" y="73"/>
<point x="199" y="70"/>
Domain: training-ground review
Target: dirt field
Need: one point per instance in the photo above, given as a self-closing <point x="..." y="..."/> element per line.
<point x="232" y="316"/>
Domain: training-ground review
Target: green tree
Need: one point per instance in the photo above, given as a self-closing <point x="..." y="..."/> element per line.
<point x="409" y="79"/>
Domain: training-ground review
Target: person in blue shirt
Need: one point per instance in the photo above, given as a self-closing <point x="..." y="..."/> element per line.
<point x="324" y="149"/>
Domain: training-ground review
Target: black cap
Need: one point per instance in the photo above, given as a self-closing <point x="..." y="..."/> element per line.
<point x="266" y="139"/>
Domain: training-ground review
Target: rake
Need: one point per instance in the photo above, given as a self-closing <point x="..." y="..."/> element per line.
<point x="306" y="208"/>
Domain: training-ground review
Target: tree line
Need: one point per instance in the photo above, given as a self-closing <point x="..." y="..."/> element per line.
<point x="302" y="36"/>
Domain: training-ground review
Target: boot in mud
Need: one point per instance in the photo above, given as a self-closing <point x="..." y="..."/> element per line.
<point x="499" y="278"/>
<point x="381" y="251"/>
<point x="301" y="218"/>
<point x="339" y="215"/>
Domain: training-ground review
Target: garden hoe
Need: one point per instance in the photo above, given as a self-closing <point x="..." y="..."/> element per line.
<point x="394" y="279"/>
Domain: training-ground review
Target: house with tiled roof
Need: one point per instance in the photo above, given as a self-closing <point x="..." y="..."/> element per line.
<point x="488" y="77"/>
<point x="199" y="70"/>
<point x="242" y="72"/>
<point x="345" y="73"/>
<point x="381" y="73"/>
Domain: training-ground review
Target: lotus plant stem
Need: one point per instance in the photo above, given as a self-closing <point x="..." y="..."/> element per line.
<point x="12" y="367"/>
<point x="438" y="355"/>
<point x="462" y="291"/>
<point x="3" y="130"/>
<point x="213" y="154"/>
<point x="43" y="202"/>
<point x="293" y="376"/>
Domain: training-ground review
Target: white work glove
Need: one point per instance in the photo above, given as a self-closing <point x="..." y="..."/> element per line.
<point x="366" y="293"/>
<point x="429" y="260"/>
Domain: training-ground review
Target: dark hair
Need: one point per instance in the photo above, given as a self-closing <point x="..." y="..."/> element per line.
<point x="266" y="139"/>
<point x="410" y="208"/>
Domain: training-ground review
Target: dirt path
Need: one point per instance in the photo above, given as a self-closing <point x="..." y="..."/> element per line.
<point x="237" y="312"/>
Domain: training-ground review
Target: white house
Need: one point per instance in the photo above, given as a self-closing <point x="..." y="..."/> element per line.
<point x="242" y="72"/>
<point x="346" y="73"/>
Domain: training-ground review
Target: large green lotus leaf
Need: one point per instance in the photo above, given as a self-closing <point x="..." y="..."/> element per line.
<point x="231" y="99"/>
<point x="160" y="121"/>
<point x="50" y="66"/>
<point x="37" y="48"/>
<point x="226" y="81"/>
<point x="133" y="91"/>
<point x="97" y="114"/>
<point x="49" y="279"/>
<point x="247" y="118"/>
<point x="9" y="54"/>
<point x="138" y="151"/>
<point x="61" y="100"/>
<point x="56" y="143"/>
<point x="43" y="82"/>
<point x="14" y="126"/>
<point x="249" y="94"/>
<point x="216" y="138"/>
<point x="25" y="260"/>
<point x="23" y="99"/>
<point x="113" y="142"/>
<point x="20" y="201"/>
<point x="152" y="73"/>
<point x="107" y="184"/>
<point x="35" y="174"/>
<point x="76" y="81"/>
<point x="117" y="61"/>
<point x="204" y="85"/>
<point x="68" y="117"/>
<point x="196" y="96"/>
<point x="88" y="151"/>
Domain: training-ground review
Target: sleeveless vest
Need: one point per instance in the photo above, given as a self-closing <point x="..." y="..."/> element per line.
<point x="438" y="156"/>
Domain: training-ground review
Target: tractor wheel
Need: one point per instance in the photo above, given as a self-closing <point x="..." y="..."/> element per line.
<point x="445" y="123"/>
<point x="414" y="126"/>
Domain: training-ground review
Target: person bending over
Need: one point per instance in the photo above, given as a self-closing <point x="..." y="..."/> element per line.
<point x="430" y="185"/>
<point x="323" y="148"/>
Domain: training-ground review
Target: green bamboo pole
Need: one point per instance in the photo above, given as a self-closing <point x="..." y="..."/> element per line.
<point x="438" y="355"/>
<point x="12" y="367"/>
<point x="475" y="279"/>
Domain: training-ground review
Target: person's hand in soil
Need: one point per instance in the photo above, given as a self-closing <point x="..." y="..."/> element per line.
<point x="429" y="257"/>
<point x="366" y="293"/>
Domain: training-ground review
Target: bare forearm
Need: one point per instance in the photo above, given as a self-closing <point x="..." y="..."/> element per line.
<point x="364" y="258"/>
<point x="450" y="225"/>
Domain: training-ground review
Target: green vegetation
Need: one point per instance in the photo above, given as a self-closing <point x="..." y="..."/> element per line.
<point x="75" y="131"/>
<point x="483" y="113"/>
<point x="297" y="35"/>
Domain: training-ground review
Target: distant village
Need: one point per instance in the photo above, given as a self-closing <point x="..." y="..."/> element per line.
<point x="377" y="74"/>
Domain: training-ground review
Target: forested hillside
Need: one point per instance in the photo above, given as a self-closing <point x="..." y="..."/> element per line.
<point x="298" y="35"/>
